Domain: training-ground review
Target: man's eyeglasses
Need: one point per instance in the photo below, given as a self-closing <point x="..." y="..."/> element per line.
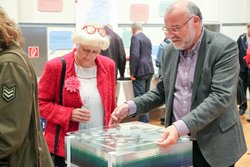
<point x="175" y="29"/>
<point x="91" y="30"/>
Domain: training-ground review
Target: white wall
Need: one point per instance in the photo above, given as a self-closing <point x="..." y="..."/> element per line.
<point x="10" y="8"/>
<point x="209" y="8"/>
<point x="248" y="13"/>
<point x="231" y="13"/>
<point x="28" y="12"/>
<point x="225" y="10"/>
<point x="233" y="31"/>
<point x="234" y="12"/>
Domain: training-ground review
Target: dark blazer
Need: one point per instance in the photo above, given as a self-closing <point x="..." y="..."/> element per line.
<point x="140" y="61"/>
<point x="115" y="51"/>
<point x="213" y="119"/>
<point x="242" y="45"/>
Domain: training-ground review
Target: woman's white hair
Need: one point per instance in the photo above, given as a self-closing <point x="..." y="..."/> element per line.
<point x="84" y="38"/>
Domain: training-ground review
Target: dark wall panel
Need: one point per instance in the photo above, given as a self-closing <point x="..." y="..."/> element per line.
<point x="36" y="36"/>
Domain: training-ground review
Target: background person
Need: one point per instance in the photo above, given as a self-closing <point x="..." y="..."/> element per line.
<point x="160" y="52"/>
<point x="198" y="85"/>
<point x="243" y="44"/>
<point x="158" y="60"/>
<point x="115" y="51"/>
<point x="140" y="63"/>
<point x="89" y="79"/>
<point x="21" y="138"/>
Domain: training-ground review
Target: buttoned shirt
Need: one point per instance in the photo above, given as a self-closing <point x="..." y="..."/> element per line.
<point x="183" y="87"/>
<point x="184" y="82"/>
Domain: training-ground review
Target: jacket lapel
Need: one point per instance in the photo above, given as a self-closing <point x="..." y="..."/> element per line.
<point x="174" y="63"/>
<point x="199" y="65"/>
<point x="102" y="75"/>
<point x="101" y="71"/>
<point x="172" y="79"/>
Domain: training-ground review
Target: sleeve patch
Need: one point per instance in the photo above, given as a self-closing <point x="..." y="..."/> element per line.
<point x="8" y="93"/>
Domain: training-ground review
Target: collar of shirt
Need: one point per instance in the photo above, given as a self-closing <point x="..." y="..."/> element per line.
<point x="139" y="31"/>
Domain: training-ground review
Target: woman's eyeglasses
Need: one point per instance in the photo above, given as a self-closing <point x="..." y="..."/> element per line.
<point x="91" y="30"/>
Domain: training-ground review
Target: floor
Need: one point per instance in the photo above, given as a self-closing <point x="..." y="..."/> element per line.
<point x="243" y="162"/>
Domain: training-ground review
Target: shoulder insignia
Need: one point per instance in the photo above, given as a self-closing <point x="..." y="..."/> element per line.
<point x="8" y="94"/>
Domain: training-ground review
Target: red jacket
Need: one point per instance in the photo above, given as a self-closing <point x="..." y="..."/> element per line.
<point x="49" y="85"/>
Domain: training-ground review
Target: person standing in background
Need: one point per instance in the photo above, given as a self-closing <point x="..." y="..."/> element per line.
<point x="243" y="44"/>
<point x="140" y="63"/>
<point x="158" y="59"/>
<point x="21" y="139"/>
<point x="162" y="45"/>
<point x="115" y="51"/>
<point x="88" y="95"/>
<point x="198" y="86"/>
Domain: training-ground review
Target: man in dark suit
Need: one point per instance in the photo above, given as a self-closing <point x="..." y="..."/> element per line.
<point x="198" y="86"/>
<point x="243" y="43"/>
<point x="140" y="63"/>
<point x="115" y="51"/>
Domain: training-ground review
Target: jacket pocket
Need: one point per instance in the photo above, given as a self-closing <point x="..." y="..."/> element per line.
<point x="225" y="125"/>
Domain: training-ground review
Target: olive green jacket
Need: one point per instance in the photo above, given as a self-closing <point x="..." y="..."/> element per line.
<point x="21" y="139"/>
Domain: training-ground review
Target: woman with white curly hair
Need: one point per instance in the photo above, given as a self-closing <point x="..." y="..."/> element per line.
<point x="88" y="91"/>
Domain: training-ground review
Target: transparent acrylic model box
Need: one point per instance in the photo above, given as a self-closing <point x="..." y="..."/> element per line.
<point x="131" y="144"/>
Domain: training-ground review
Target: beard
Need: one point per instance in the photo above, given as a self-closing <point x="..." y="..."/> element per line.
<point x="183" y="43"/>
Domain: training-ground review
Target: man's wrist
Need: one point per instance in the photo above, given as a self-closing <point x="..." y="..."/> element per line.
<point x="181" y="127"/>
<point x="132" y="107"/>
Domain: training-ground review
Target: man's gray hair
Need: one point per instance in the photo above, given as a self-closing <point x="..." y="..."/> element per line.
<point x="248" y="25"/>
<point x="194" y="10"/>
<point x="137" y="26"/>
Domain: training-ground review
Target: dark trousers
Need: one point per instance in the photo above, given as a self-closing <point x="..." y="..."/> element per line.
<point x="141" y="86"/>
<point x="59" y="161"/>
<point x="198" y="159"/>
<point x="245" y="77"/>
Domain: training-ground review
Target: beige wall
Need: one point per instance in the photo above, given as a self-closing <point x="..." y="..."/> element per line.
<point x="224" y="11"/>
<point x="10" y="6"/>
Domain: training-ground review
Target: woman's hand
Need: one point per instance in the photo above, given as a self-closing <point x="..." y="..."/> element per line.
<point x="80" y="115"/>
